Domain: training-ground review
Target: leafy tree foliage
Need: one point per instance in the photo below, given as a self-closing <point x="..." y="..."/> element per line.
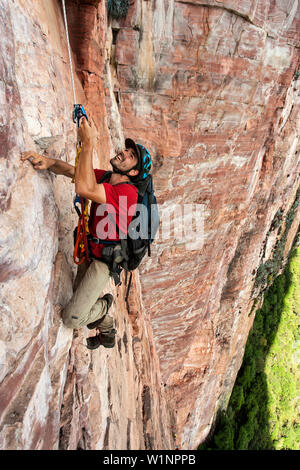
<point x="117" y="8"/>
<point x="262" y="412"/>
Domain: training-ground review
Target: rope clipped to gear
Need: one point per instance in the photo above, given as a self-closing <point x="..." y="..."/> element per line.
<point x="81" y="251"/>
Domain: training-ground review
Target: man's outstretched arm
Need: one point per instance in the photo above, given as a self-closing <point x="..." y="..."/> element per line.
<point x="40" y="162"/>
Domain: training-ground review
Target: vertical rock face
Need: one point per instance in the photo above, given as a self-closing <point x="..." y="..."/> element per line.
<point x="211" y="89"/>
<point x="54" y="392"/>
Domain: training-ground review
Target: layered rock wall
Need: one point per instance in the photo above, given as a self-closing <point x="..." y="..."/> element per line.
<point x="55" y="394"/>
<point x="211" y="88"/>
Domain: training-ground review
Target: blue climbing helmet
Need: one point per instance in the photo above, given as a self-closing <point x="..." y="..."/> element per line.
<point x="144" y="159"/>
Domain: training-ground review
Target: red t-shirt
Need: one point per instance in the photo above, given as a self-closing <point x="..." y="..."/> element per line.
<point x="106" y="220"/>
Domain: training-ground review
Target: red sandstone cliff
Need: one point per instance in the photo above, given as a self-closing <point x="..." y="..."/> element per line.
<point x="210" y="87"/>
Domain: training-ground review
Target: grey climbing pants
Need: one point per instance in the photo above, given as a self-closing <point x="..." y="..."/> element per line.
<point x="85" y="306"/>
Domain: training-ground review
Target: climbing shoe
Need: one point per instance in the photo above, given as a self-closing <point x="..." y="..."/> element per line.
<point x="109" y="299"/>
<point x="93" y="342"/>
<point x="107" y="340"/>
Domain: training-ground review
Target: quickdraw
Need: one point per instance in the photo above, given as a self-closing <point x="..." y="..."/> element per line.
<point x="81" y="250"/>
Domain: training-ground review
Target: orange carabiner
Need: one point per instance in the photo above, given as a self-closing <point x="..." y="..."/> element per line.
<point x="81" y="250"/>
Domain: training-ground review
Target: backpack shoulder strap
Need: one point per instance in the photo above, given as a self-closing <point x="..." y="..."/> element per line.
<point x="105" y="177"/>
<point x="143" y="185"/>
<point x="126" y="182"/>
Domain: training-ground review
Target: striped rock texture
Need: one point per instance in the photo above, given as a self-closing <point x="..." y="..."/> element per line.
<point x="211" y="88"/>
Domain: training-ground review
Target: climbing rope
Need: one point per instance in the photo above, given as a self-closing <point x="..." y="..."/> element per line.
<point x="81" y="251"/>
<point x="69" y="49"/>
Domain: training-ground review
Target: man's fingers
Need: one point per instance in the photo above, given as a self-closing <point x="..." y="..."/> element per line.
<point x="26" y="155"/>
<point x="82" y="127"/>
<point x="87" y="132"/>
<point x="87" y="123"/>
<point x="36" y="160"/>
<point x="83" y="122"/>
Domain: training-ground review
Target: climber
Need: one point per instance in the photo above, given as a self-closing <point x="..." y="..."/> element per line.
<point x="86" y="308"/>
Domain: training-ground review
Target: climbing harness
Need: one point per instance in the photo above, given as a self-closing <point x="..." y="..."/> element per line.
<point x="81" y="252"/>
<point x="81" y="249"/>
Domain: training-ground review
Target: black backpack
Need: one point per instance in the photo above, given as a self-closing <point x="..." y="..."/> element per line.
<point x="128" y="253"/>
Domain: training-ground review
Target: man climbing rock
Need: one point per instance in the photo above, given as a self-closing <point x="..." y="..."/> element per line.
<point x="117" y="198"/>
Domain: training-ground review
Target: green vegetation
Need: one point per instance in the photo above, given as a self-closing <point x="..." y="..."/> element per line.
<point x="263" y="412"/>
<point x="268" y="270"/>
<point x="117" y="8"/>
